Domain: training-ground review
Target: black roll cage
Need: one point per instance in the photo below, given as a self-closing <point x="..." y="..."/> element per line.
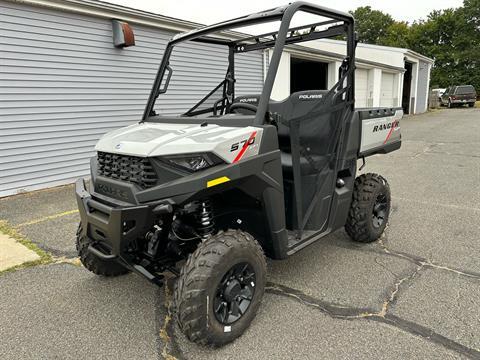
<point x="277" y="39"/>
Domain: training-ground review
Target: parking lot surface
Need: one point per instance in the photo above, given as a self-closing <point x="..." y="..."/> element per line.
<point x="413" y="294"/>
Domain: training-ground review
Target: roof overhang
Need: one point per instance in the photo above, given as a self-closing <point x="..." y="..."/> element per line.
<point x="316" y="54"/>
<point x="112" y="11"/>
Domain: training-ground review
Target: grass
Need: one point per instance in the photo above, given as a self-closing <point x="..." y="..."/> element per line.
<point x="45" y="257"/>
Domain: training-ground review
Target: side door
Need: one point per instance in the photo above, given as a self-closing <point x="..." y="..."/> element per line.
<point x="316" y="126"/>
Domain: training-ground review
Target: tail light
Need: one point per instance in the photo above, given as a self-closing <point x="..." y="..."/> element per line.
<point x="454" y="98"/>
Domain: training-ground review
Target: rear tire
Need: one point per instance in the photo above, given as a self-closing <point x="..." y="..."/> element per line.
<point x="227" y="269"/>
<point x="370" y="208"/>
<point x="94" y="263"/>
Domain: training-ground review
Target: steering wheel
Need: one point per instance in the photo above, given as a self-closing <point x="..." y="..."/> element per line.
<point x="238" y="105"/>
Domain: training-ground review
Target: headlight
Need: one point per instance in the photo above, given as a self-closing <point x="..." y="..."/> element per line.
<point x="194" y="162"/>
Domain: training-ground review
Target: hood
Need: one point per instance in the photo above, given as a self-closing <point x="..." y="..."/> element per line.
<point x="157" y="139"/>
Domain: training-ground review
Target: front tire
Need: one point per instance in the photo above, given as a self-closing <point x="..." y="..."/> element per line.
<point x="471" y="104"/>
<point x="220" y="288"/>
<point x="370" y="208"/>
<point x="94" y="263"/>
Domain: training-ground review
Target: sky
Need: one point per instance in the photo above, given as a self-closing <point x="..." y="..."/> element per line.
<point x="213" y="11"/>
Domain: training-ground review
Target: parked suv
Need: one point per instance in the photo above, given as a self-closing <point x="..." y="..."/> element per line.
<point x="459" y="95"/>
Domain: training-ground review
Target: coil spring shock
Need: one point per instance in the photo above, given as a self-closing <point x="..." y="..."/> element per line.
<point x="204" y="217"/>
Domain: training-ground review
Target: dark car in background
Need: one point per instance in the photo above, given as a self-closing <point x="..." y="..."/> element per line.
<point x="459" y="95"/>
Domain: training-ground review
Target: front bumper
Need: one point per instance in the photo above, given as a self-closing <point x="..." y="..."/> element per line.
<point x="114" y="227"/>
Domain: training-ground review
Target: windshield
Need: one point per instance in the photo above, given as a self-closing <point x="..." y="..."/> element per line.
<point x="198" y="82"/>
<point x="464" y="90"/>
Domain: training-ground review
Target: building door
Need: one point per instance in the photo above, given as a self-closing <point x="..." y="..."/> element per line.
<point x="387" y="89"/>
<point x="407" y="83"/>
<point x="361" y="88"/>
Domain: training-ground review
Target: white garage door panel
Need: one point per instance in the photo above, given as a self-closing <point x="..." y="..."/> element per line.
<point x="361" y="88"/>
<point x="387" y="89"/>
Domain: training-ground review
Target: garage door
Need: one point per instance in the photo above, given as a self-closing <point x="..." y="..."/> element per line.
<point x="387" y="89"/>
<point x="361" y="88"/>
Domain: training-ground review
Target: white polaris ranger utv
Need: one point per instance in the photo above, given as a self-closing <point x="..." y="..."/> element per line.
<point x="235" y="178"/>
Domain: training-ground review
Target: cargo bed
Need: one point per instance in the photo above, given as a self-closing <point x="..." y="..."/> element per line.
<point x="380" y="130"/>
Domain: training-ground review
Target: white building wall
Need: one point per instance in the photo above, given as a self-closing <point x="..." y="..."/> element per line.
<point x="333" y="73"/>
<point x="63" y="85"/>
<point x="281" y="87"/>
<point x="422" y="86"/>
<point x="413" y="89"/>
<point x="375" y="84"/>
<point x="362" y="93"/>
<point x="399" y="89"/>
<point x="383" y="55"/>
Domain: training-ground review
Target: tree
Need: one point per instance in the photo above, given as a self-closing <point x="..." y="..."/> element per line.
<point x="469" y="54"/>
<point x="371" y="25"/>
<point x="396" y="35"/>
<point x="451" y="37"/>
<point x="436" y="38"/>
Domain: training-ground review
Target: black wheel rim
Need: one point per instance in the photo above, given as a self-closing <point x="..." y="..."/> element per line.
<point x="379" y="211"/>
<point x="234" y="293"/>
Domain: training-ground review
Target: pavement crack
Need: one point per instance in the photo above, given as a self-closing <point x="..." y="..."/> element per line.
<point x="436" y="204"/>
<point x="170" y="349"/>
<point x="425" y="150"/>
<point x="394" y="294"/>
<point x="66" y="260"/>
<point x="466" y="273"/>
<point x="455" y="154"/>
<point x="352" y="313"/>
<point x="414" y="259"/>
<point x="336" y="311"/>
<point x="429" y="335"/>
<point x="46" y="218"/>
<point x="425" y="262"/>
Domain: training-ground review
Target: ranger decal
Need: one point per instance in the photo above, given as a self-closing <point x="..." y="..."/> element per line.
<point x="382" y="127"/>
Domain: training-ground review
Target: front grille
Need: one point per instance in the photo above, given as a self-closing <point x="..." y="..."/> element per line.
<point x="133" y="169"/>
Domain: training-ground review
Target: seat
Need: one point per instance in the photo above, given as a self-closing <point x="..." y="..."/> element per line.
<point x="298" y="104"/>
<point x="305" y="166"/>
<point x="246" y="99"/>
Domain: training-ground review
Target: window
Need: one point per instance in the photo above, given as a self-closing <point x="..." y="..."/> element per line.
<point x="464" y="90"/>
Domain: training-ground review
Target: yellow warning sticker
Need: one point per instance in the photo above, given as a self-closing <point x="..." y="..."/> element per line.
<point x="217" y="181"/>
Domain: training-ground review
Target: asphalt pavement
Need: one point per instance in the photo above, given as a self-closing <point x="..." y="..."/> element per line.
<point x="415" y="294"/>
